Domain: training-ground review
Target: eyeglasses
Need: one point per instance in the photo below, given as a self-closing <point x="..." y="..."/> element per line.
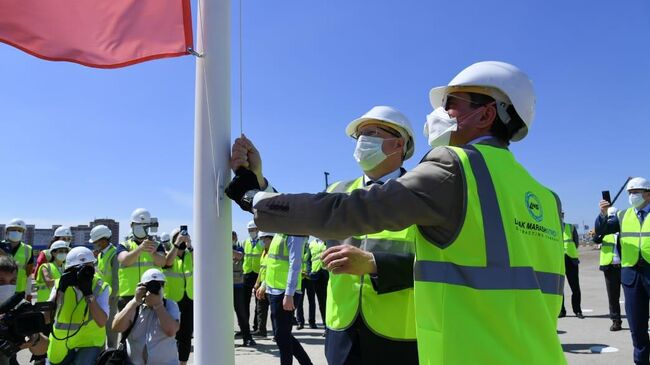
<point x="374" y="132"/>
<point x="446" y="100"/>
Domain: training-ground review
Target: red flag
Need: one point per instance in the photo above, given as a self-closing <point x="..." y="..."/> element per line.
<point x="98" y="33"/>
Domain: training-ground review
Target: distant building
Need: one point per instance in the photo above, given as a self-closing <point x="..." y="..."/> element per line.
<point x="81" y="235"/>
<point x="40" y="237"/>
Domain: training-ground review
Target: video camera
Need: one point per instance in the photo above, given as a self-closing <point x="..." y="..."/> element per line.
<point x="20" y="320"/>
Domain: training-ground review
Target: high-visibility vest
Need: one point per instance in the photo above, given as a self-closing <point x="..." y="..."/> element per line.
<point x="43" y="291"/>
<point x="104" y="264"/>
<point x="492" y="294"/>
<point x="390" y="315"/>
<point x="22" y="256"/>
<point x="570" y="248"/>
<point x="129" y="276"/>
<point x="607" y="248"/>
<point x="277" y="264"/>
<point x="73" y="326"/>
<point x="316" y="248"/>
<point x="180" y="278"/>
<point x="262" y="273"/>
<point x="252" y="256"/>
<point x="634" y="238"/>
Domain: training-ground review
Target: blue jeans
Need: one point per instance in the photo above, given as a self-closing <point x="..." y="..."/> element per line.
<point x="80" y="356"/>
<point x="636" y="287"/>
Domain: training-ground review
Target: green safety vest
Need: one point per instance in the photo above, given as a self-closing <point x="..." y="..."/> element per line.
<point x="316" y="248"/>
<point x="22" y="256"/>
<point x="43" y="291"/>
<point x="252" y="256"/>
<point x="570" y="248"/>
<point x="73" y="327"/>
<point x="607" y="248"/>
<point x="390" y="315"/>
<point x="492" y="294"/>
<point x="129" y="276"/>
<point x="105" y="266"/>
<point x="277" y="264"/>
<point x="634" y="238"/>
<point x="262" y="273"/>
<point x="180" y="278"/>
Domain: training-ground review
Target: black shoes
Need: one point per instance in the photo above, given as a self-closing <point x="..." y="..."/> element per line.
<point x="301" y="326"/>
<point x="579" y="315"/>
<point x="313" y="326"/>
<point x="249" y="342"/>
<point x="238" y="334"/>
<point x="259" y="334"/>
<point x="561" y="315"/>
<point x="616" y="325"/>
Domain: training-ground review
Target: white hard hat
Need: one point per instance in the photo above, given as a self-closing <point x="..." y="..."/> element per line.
<point x="265" y="234"/>
<point x="251" y="225"/>
<point x="141" y="216"/>
<point x="638" y="183"/>
<point x="390" y="116"/>
<point x="152" y="275"/>
<point x="78" y="256"/>
<point x="504" y="82"/>
<point x="17" y="223"/>
<point x="99" y="232"/>
<point x="63" y="231"/>
<point x="164" y="237"/>
<point x="611" y="211"/>
<point x="59" y="244"/>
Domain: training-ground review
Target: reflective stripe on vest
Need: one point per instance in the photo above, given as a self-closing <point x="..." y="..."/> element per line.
<point x="498" y="284"/>
<point x="389" y="315"/>
<point x="252" y="256"/>
<point x="277" y="264"/>
<point x="634" y="238"/>
<point x="570" y="248"/>
<point x="316" y="248"/>
<point x="129" y="275"/>
<point x="73" y="327"/>
<point x="607" y="248"/>
<point x="180" y="278"/>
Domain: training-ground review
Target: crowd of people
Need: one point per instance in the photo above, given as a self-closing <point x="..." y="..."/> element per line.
<point x="134" y="300"/>
<point x="487" y="283"/>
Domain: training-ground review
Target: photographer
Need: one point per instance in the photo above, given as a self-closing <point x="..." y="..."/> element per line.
<point x="37" y="343"/>
<point x="81" y="298"/>
<point x="138" y="254"/>
<point x="180" y="288"/>
<point x="151" y="340"/>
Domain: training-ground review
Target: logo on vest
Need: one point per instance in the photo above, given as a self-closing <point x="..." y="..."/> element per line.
<point x="534" y="207"/>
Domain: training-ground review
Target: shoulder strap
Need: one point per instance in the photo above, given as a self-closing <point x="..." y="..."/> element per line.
<point x="126" y="333"/>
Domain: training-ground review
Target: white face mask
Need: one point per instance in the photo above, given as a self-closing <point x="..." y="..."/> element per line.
<point x="14" y="236"/>
<point x="636" y="200"/>
<point x="369" y="153"/>
<point x="61" y="256"/>
<point x="139" y="232"/>
<point x="253" y="235"/>
<point x="6" y="292"/>
<point x="439" y="126"/>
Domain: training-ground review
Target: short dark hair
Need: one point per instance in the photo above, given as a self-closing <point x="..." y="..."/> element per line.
<point x="502" y="131"/>
<point x="8" y="264"/>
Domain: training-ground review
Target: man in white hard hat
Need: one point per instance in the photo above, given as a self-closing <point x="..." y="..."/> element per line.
<point x="489" y="237"/>
<point x="253" y="248"/>
<point x="21" y="252"/>
<point x="138" y="254"/>
<point x="107" y="269"/>
<point x="610" y="265"/>
<point x="151" y="340"/>
<point x="633" y="227"/>
<point x="81" y="296"/>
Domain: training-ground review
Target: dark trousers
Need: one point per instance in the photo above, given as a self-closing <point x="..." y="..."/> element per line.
<point x="288" y="345"/>
<point x="240" y="311"/>
<point x="574" y="283"/>
<point x="613" y="285"/>
<point x="317" y="289"/>
<point x="262" y="314"/>
<point x="298" y="302"/>
<point x="249" y="284"/>
<point x="184" y="334"/>
<point x="358" y="345"/>
<point x="636" y="288"/>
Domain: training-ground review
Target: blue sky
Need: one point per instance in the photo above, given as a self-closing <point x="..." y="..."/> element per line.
<point x="79" y="143"/>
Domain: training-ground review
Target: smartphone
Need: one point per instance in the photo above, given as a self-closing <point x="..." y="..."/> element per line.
<point x="183" y="231"/>
<point x="606" y="196"/>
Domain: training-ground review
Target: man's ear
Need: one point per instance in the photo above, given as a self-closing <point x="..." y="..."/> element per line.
<point x="488" y="117"/>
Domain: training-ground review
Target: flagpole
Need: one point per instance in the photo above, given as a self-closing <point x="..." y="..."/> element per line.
<point x="213" y="318"/>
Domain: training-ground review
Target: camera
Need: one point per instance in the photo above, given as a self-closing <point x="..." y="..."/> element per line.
<point x="21" y="320"/>
<point x="153" y="287"/>
<point x="75" y="275"/>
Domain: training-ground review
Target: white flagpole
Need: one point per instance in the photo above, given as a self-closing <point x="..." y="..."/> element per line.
<point x="213" y="313"/>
